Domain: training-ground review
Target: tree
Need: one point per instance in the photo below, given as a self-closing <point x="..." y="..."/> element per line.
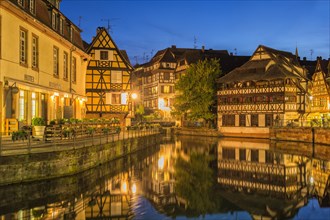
<point x="197" y="91"/>
<point x="139" y="112"/>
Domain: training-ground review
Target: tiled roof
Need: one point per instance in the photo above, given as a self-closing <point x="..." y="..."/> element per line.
<point x="43" y="13"/>
<point x="275" y="67"/>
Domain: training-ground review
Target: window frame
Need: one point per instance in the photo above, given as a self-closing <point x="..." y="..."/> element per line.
<point x="56" y="62"/>
<point x="35" y="52"/>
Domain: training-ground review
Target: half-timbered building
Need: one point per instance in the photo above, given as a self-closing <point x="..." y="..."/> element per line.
<point x="108" y="86"/>
<point x="320" y="92"/>
<point x="270" y="89"/>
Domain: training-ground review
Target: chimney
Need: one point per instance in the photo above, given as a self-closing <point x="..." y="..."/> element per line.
<point x="173" y="46"/>
<point x="304" y="59"/>
<point x="203" y="49"/>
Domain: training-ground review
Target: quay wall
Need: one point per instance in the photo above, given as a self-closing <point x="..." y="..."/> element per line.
<point x="48" y="165"/>
<point x="300" y="134"/>
<point x="303" y="134"/>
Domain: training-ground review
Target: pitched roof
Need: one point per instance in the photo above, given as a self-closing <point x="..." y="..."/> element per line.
<point x="274" y="67"/>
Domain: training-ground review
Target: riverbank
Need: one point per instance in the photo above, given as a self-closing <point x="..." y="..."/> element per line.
<point x="298" y="134"/>
<point x="48" y="165"/>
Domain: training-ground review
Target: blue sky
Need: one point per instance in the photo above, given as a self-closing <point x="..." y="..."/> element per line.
<point x="144" y="27"/>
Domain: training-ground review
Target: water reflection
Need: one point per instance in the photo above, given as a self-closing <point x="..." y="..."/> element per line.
<point x="187" y="177"/>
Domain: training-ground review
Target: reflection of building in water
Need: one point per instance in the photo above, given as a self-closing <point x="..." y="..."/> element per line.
<point x="251" y="167"/>
<point x="320" y="180"/>
<point x="316" y="161"/>
<point x="158" y="180"/>
<point x="112" y="200"/>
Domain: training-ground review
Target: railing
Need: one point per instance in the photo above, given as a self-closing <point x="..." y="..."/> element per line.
<point x="68" y="137"/>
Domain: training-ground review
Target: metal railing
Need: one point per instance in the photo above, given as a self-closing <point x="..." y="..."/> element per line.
<point x="79" y="138"/>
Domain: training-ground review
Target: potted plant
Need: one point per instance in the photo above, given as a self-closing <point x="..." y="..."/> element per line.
<point x="38" y="127"/>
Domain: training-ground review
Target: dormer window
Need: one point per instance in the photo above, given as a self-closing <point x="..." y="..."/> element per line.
<point x="71" y="34"/>
<point x="54" y="22"/>
<point x="61" y="26"/>
<point x="32" y="6"/>
<point x="20" y="2"/>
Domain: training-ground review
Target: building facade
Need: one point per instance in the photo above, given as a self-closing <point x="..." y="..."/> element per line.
<point x="270" y="89"/>
<point x="320" y="94"/>
<point x="108" y="85"/>
<point x="42" y="63"/>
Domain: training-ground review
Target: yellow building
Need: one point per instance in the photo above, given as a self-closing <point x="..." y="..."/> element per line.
<point x="42" y="62"/>
<point x="320" y="94"/>
<point x="108" y="86"/>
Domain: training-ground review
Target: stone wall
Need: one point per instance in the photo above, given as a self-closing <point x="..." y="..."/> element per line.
<point x="39" y="166"/>
<point x="197" y="132"/>
<point x="310" y="135"/>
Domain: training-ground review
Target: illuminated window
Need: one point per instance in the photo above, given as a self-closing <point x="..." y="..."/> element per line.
<point x="33" y="105"/>
<point x="124" y="98"/>
<point x="35" y="52"/>
<point x="23" y="47"/>
<point x="21" y="105"/>
<point x="55" y="61"/>
<point x="116" y="77"/>
<point x="65" y="65"/>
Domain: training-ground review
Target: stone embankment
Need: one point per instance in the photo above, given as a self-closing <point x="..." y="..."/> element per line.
<point x="309" y="135"/>
<point x="48" y="165"/>
<point x="300" y="134"/>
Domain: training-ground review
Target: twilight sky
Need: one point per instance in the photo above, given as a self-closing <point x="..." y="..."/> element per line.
<point x="142" y="27"/>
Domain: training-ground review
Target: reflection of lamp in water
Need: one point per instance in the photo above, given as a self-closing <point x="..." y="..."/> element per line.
<point x="311" y="180"/>
<point x="124" y="187"/>
<point x="161" y="162"/>
<point x="134" y="188"/>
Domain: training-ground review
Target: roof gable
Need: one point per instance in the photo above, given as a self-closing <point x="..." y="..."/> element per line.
<point x="103" y="41"/>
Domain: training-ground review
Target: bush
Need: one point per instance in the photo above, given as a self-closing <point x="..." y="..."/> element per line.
<point x="38" y="121"/>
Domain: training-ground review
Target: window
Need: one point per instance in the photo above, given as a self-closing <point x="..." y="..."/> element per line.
<point x="123" y="98"/>
<point x="54" y="23"/>
<point x="269" y="120"/>
<point x="32" y="6"/>
<point x="115" y="99"/>
<point x="33" y="104"/>
<point x="23" y="47"/>
<point x="55" y="61"/>
<point x="65" y="65"/>
<point x="254" y="120"/>
<point x="21" y="107"/>
<point x="242" y="120"/>
<point x="228" y="120"/>
<point x="74" y="70"/>
<point x="167" y="76"/>
<point x="167" y="89"/>
<point x="20" y="2"/>
<point x="104" y="55"/>
<point x="242" y="154"/>
<point x="61" y="26"/>
<point x="255" y="155"/>
<point x="35" y="52"/>
<point x="116" y="77"/>
<point x="228" y="153"/>
<point x="71" y="33"/>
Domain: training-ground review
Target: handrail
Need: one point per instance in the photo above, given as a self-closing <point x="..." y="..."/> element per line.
<point x="28" y="144"/>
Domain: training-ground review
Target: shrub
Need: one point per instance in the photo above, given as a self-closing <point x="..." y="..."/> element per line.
<point x="38" y="121"/>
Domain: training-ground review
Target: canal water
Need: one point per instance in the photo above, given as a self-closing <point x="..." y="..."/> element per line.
<point x="187" y="178"/>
